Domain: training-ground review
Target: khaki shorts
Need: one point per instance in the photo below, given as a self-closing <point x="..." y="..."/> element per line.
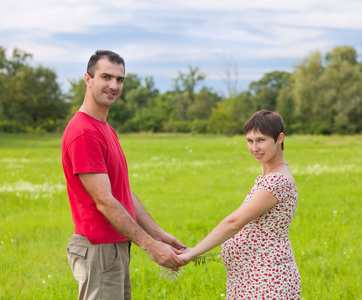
<point x="101" y="270"/>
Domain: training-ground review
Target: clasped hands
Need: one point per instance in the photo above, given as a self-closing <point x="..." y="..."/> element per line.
<point x="169" y="252"/>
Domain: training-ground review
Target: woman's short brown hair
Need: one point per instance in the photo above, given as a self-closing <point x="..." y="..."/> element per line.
<point x="267" y="122"/>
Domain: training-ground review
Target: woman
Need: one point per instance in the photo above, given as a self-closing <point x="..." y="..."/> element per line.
<point x="256" y="250"/>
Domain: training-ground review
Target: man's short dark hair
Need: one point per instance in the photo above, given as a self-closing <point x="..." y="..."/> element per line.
<point x="267" y="122"/>
<point x="99" y="54"/>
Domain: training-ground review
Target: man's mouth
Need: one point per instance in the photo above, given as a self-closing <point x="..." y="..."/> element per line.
<point x="110" y="93"/>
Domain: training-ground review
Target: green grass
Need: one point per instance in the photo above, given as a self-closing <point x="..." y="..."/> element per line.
<point x="188" y="184"/>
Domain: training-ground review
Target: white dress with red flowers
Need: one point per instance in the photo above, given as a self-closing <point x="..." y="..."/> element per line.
<point x="259" y="259"/>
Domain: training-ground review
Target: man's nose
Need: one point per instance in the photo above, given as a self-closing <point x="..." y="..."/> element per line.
<point x="113" y="84"/>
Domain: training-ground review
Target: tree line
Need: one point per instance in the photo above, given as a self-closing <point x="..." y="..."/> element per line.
<point x="322" y="95"/>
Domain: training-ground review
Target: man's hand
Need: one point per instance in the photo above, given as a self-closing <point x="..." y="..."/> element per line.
<point x="163" y="255"/>
<point x="176" y="245"/>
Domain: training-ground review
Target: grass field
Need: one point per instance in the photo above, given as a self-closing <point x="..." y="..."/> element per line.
<point x="188" y="184"/>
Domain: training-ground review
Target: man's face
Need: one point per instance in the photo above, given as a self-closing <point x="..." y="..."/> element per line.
<point x="107" y="84"/>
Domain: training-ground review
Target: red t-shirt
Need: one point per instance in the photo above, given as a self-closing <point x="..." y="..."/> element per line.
<point x="92" y="146"/>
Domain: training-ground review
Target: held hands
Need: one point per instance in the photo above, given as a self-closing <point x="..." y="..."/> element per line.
<point x="164" y="249"/>
<point x="186" y="256"/>
<point x="180" y="249"/>
<point x="179" y="255"/>
<point x="173" y="242"/>
<point x="164" y="255"/>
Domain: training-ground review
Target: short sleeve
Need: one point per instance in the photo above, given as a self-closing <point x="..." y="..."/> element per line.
<point x="274" y="184"/>
<point x="87" y="155"/>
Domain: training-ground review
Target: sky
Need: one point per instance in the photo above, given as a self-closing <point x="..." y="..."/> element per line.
<point x="245" y="39"/>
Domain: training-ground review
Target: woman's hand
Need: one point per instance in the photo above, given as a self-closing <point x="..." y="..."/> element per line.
<point x="186" y="255"/>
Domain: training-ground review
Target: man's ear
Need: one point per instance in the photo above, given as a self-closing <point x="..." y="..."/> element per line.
<point x="87" y="78"/>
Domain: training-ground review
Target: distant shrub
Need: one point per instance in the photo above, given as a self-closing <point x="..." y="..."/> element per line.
<point x="178" y="126"/>
<point x="13" y="127"/>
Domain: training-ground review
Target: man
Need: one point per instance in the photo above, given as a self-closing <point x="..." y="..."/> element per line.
<point x="106" y="214"/>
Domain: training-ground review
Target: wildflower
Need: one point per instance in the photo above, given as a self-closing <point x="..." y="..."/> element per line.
<point x="172" y="275"/>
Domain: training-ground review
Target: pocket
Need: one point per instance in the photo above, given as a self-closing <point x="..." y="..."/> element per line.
<point x="108" y="256"/>
<point x="77" y="261"/>
<point x="78" y="250"/>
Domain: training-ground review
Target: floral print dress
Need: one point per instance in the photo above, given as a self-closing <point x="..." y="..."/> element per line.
<point x="259" y="259"/>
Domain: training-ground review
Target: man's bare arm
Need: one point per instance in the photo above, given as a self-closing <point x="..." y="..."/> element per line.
<point x="99" y="188"/>
<point x="147" y="223"/>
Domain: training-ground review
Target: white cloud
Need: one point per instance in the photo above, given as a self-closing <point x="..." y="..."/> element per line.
<point x="171" y="32"/>
<point x="81" y="16"/>
<point x="59" y="16"/>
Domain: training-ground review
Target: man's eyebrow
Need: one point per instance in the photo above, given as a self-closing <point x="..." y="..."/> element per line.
<point x="110" y="75"/>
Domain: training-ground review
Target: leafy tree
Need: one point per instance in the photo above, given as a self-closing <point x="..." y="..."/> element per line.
<point x="230" y="115"/>
<point x="286" y="107"/>
<point x="180" y="104"/>
<point x="11" y="66"/>
<point x="306" y="89"/>
<point x="186" y="82"/>
<point x="139" y="97"/>
<point x="201" y="108"/>
<point x="128" y="115"/>
<point x="340" y="101"/>
<point x="342" y="54"/>
<point x="119" y="113"/>
<point x="131" y="82"/>
<point x="36" y="98"/>
<point x="322" y="95"/>
<point x="8" y="68"/>
<point x="2" y="95"/>
<point x="326" y="98"/>
<point x="75" y="96"/>
<point x="266" y="90"/>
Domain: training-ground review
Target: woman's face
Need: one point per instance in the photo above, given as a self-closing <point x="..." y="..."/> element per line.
<point x="263" y="147"/>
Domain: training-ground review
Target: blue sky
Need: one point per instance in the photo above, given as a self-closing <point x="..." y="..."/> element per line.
<point x="160" y="38"/>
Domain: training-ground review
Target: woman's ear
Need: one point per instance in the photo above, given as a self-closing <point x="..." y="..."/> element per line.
<point x="280" y="139"/>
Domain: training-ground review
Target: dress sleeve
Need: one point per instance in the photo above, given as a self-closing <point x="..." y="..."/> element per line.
<point x="87" y="155"/>
<point x="274" y="184"/>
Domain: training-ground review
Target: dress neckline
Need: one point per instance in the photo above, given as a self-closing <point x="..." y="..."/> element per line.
<point x="278" y="174"/>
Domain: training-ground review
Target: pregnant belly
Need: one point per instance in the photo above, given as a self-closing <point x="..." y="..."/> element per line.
<point x="239" y="253"/>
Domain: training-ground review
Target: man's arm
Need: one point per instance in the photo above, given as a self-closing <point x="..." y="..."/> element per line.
<point x="146" y="222"/>
<point x="99" y="188"/>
